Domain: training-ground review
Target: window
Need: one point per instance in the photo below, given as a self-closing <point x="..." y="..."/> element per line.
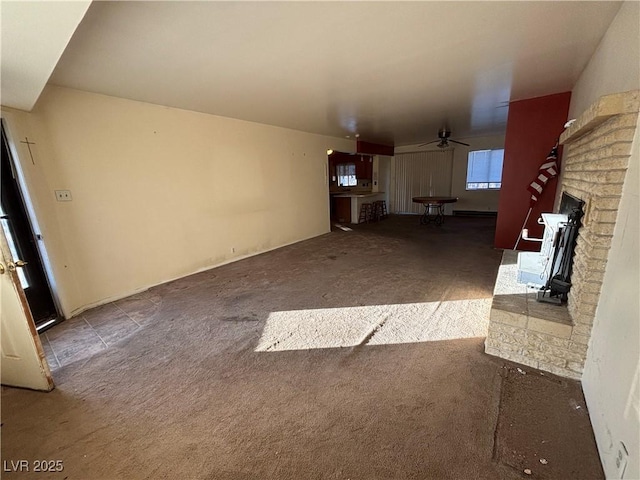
<point x="347" y="175"/>
<point x="484" y="169"/>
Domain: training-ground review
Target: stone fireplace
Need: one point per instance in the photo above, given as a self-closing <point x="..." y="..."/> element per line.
<point x="597" y="147"/>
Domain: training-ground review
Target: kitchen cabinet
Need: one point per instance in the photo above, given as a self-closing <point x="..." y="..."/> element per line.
<point x="364" y="167"/>
<point x="348" y="205"/>
<point x="342" y="209"/>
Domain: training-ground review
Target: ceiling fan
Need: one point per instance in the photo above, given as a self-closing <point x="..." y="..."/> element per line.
<point x="443" y="139"/>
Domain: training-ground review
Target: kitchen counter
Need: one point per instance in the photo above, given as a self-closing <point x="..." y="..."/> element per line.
<point x="356" y="195"/>
<point x="356" y="200"/>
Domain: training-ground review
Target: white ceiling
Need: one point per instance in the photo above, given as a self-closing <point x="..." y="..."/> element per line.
<point x="34" y="35"/>
<point x="393" y="72"/>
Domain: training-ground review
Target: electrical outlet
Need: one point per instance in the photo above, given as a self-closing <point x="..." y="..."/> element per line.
<point x="63" y="195"/>
<point x="622" y="456"/>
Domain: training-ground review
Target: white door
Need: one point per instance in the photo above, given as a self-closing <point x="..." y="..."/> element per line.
<point x="22" y="359"/>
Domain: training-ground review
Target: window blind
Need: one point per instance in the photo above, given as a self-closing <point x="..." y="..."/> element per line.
<point x="421" y="174"/>
<point x="485" y="166"/>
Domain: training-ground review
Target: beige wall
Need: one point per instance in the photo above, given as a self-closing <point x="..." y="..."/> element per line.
<point x="610" y="378"/>
<point x="160" y="193"/>
<point x="486" y="201"/>
<point x="615" y="65"/>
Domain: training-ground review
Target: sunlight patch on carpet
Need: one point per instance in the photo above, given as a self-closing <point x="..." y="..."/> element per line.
<point x="374" y="325"/>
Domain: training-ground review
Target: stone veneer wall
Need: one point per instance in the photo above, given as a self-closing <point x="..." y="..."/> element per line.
<point x="597" y="151"/>
<point x="552" y="338"/>
<point x="529" y="332"/>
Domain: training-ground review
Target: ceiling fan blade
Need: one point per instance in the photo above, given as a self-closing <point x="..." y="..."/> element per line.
<point x="461" y="143"/>
<point x="428" y="143"/>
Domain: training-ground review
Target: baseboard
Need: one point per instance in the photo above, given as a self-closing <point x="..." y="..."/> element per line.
<point x="474" y="213"/>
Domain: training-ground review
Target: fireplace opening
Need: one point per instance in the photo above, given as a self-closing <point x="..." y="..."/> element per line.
<point x="569" y="204"/>
<point x="556" y="289"/>
<point x="549" y="270"/>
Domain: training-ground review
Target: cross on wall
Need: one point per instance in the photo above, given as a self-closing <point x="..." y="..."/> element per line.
<point x="28" y="143"/>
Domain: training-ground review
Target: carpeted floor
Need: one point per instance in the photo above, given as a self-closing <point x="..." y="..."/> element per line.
<point x="355" y="355"/>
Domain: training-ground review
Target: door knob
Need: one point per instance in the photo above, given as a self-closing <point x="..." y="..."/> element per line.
<point x="2" y="270"/>
<point x="12" y="266"/>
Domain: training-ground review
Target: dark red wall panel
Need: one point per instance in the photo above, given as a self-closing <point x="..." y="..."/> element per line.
<point x="374" y="148"/>
<point x="533" y="126"/>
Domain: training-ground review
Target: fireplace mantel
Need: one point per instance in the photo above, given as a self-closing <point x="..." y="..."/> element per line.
<point x="606" y="107"/>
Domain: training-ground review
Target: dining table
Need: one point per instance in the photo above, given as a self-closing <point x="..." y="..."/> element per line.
<point x="433" y="208"/>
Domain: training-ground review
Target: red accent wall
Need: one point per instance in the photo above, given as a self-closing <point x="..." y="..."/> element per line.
<point x="374" y="148"/>
<point x="533" y="126"/>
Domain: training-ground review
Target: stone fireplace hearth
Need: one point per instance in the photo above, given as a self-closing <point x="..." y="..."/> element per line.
<point x="596" y="156"/>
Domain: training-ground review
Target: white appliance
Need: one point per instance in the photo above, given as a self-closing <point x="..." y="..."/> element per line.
<point x="534" y="268"/>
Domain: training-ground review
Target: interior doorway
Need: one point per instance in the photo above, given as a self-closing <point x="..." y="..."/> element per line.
<point x="22" y="244"/>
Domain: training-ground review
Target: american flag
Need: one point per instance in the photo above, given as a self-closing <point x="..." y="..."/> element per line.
<point x="547" y="170"/>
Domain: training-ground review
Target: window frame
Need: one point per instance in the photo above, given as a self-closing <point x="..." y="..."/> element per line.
<point x="485" y="184"/>
<point x="352" y="179"/>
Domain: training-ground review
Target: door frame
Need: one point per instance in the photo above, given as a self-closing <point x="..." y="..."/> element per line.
<point x="5" y="119"/>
